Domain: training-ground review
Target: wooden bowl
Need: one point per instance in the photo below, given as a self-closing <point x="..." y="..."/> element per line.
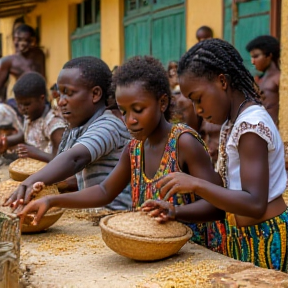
<point x="52" y="215"/>
<point x="138" y="236"/>
<point x="22" y="168"/>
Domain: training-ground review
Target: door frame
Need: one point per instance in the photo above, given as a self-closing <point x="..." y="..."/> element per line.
<point x="275" y="17"/>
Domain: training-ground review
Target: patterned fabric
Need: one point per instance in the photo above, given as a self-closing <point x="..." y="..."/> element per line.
<point x="9" y="117"/>
<point x="264" y="244"/>
<point x="144" y="188"/>
<point x="38" y="132"/>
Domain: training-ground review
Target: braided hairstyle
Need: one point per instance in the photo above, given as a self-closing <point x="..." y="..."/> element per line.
<point x="94" y="72"/>
<point x="149" y="72"/>
<point x="212" y="57"/>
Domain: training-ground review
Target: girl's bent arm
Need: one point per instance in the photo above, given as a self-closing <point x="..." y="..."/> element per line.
<point x="195" y="160"/>
<point x="254" y="173"/>
<point x="251" y="201"/>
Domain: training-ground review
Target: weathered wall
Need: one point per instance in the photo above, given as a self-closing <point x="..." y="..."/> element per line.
<point x="112" y="12"/>
<point x="56" y="27"/>
<point x="283" y="115"/>
<point x="204" y="12"/>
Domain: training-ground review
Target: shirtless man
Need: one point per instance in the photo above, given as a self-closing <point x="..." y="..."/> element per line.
<point x="27" y="58"/>
<point x="265" y="54"/>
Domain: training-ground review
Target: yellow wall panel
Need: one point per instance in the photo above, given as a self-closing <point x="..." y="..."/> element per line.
<point x="283" y="115"/>
<point x="112" y="32"/>
<point x="203" y="12"/>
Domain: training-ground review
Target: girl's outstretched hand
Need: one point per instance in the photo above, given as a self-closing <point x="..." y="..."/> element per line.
<point x="174" y="183"/>
<point x="40" y="207"/>
<point x="162" y="211"/>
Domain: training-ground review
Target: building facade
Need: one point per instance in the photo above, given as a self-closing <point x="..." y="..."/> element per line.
<point x="118" y="29"/>
<point x="114" y="29"/>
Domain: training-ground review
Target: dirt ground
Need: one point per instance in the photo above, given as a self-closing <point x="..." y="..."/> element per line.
<point x="72" y="254"/>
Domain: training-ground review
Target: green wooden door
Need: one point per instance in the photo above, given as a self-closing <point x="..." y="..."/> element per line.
<point x="155" y="28"/>
<point x="85" y="40"/>
<point x="245" y="22"/>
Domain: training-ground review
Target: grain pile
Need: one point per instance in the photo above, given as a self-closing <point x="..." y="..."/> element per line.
<point x="140" y="224"/>
<point x="61" y="243"/>
<point x="138" y="236"/>
<point x="184" y="274"/>
<point x="22" y="168"/>
<point x="52" y="215"/>
<point x="214" y="274"/>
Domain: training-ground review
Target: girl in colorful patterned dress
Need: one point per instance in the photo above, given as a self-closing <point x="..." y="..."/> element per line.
<point x="251" y="158"/>
<point x="158" y="148"/>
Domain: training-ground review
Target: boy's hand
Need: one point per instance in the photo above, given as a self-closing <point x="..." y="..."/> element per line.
<point x="22" y="195"/>
<point x="3" y="144"/>
<point x="162" y="211"/>
<point x="40" y="207"/>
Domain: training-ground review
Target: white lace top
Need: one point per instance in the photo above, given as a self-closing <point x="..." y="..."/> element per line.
<point x="254" y="119"/>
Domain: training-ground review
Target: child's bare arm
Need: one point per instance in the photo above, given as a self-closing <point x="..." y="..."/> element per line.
<point x="5" y="66"/>
<point x="251" y="201"/>
<point x="24" y="150"/>
<point x="95" y="196"/>
<point x="11" y="140"/>
<point x="61" y="167"/>
<point x="67" y="164"/>
<point x="196" y="160"/>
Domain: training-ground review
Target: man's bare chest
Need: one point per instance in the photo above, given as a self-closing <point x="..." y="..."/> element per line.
<point x="21" y="65"/>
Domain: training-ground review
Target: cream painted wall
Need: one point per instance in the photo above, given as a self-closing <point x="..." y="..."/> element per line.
<point x="112" y="32"/>
<point x="203" y="12"/>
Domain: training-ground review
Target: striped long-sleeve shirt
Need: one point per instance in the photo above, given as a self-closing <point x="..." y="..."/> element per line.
<point x="105" y="139"/>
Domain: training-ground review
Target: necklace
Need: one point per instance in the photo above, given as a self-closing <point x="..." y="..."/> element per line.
<point x="224" y="136"/>
<point x="240" y="108"/>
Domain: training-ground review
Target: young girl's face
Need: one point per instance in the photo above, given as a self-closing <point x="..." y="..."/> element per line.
<point x="209" y="97"/>
<point x="140" y="109"/>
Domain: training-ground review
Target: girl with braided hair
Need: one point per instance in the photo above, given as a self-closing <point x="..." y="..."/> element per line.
<point x="251" y="159"/>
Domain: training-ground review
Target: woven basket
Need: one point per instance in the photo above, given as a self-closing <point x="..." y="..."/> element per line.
<point x="22" y="168"/>
<point x="140" y="247"/>
<point x="53" y="214"/>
